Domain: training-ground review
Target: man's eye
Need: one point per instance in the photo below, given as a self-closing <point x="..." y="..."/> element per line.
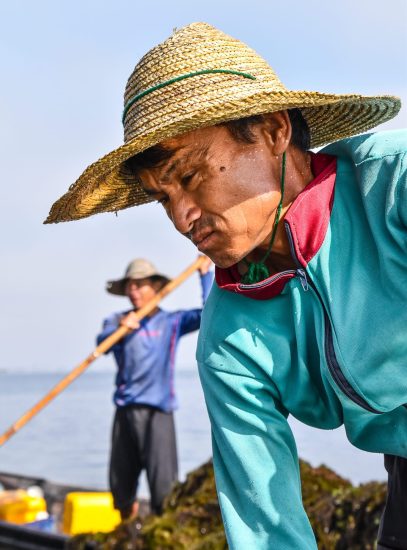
<point x="187" y="178"/>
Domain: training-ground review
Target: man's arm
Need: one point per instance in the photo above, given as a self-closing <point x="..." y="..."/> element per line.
<point x="206" y="278"/>
<point x="190" y="319"/>
<point x="256" y="464"/>
<point x="110" y="324"/>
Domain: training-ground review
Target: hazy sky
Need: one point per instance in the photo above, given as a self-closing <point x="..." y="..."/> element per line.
<point x="63" y="70"/>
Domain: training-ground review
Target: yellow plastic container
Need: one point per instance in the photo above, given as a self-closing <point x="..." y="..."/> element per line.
<point x="89" y="513"/>
<point x="20" y="507"/>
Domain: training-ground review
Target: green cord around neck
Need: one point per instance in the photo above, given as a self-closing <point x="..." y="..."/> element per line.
<point x="258" y="271"/>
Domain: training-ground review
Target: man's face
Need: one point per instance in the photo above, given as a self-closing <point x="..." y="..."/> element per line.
<point x="219" y="192"/>
<point x="141" y="291"/>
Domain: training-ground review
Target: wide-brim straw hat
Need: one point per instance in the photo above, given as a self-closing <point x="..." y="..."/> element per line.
<point x="200" y="77"/>
<point x="137" y="269"/>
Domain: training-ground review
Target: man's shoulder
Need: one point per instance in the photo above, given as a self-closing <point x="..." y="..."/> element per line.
<point x="163" y="317"/>
<point x="370" y="147"/>
<point x="115" y="316"/>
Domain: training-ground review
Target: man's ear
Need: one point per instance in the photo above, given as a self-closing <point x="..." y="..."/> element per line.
<point x="277" y="131"/>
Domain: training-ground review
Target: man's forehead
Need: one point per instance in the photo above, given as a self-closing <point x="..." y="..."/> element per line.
<point x="197" y="142"/>
<point x="183" y="154"/>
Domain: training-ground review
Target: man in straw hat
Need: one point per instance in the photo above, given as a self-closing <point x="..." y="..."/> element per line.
<point x="308" y="314"/>
<point x="143" y="435"/>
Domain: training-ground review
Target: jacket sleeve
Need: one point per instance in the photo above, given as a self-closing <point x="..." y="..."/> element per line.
<point x="110" y="324"/>
<point x="402" y="196"/>
<point x="190" y="319"/>
<point x="256" y="464"/>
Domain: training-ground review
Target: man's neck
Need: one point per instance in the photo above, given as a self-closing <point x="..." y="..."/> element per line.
<point x="298" y="176"/>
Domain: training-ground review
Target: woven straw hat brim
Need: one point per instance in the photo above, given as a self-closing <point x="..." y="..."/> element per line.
<point x="196" y="78"/>
<point x="107" y="186"/>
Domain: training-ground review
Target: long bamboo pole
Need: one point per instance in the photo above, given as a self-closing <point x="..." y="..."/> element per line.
<point x="99" y="350"/>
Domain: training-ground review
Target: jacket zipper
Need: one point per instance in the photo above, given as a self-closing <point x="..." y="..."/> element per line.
<point x="330" y="356"/>
<point x="270" y="280"/>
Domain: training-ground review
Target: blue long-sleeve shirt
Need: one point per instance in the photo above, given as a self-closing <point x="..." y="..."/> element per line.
<point x="146" y="357"/>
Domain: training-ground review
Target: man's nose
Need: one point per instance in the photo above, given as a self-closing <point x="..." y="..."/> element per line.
<point x="184" y="213"/>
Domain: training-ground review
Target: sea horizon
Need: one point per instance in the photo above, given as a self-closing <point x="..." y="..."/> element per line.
<point x="69" y="440"/>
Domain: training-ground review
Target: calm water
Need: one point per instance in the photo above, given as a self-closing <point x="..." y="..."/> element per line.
<point x="69" y="440"/>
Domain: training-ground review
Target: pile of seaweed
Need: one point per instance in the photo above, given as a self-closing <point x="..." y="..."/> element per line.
<point x="343" y="517"/>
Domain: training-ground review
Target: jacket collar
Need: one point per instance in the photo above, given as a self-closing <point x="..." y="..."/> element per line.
<point x="307" y="220"/>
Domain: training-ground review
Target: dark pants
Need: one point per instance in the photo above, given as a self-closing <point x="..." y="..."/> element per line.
<point x="142" y="438"/>
<point x="393" y="526"/>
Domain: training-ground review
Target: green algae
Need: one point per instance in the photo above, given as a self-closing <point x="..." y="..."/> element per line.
<point x="342" y="516"/>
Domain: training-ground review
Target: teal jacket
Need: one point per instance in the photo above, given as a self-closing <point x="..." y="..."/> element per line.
<point x="325" y="342"/>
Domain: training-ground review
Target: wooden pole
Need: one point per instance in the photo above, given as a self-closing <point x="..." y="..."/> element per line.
<point x="99" y="350"/>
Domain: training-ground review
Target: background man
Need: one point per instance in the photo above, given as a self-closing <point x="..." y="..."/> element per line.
<point x="143" y="435"/>
<point x="308" y="314"/>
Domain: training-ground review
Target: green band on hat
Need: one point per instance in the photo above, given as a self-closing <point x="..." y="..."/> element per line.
<point x="176" y="79"/>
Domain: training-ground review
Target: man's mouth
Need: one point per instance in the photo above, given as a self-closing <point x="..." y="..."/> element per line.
<point x="202" y="240"/>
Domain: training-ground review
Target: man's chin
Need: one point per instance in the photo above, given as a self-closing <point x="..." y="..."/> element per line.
<point x="224" y="261"/>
